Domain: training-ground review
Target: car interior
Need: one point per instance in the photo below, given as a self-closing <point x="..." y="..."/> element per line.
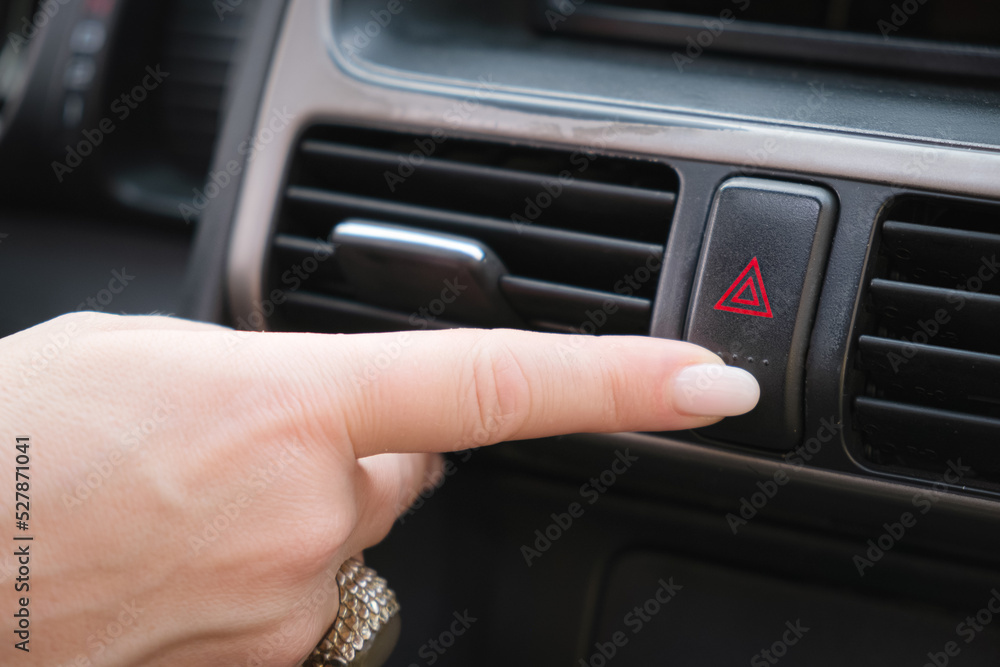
<point x="809" y="189"/>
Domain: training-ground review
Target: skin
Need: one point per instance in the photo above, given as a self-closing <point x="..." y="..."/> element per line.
<point x="145" y="431"/>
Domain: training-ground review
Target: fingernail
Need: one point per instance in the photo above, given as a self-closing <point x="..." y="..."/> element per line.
<point x="714" y="390"/>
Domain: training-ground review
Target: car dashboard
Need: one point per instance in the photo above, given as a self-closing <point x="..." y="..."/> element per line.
<point x="811" y="190"/>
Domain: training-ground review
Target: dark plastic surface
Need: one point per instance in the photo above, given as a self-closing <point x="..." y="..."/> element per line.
<point x="461" y="549"/>
<point x="716" y="614"/>
<point x="755" y="294"/>
<point x="56" y="264"/>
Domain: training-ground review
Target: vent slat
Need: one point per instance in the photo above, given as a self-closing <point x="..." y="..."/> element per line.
<point x="541" y="303"/>
<point x="321" y="313"/>
<point x="593" y="243"/>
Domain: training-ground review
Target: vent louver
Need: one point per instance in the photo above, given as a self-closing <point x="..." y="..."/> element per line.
<point x="931" y="352"/>
<point x="581" y="234"/>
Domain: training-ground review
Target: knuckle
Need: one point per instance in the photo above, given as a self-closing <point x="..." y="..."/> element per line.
<point x="501" y="392"/>
<point x="615" y="388"/>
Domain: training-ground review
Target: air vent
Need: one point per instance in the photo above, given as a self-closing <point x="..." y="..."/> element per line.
<point x="159" y="160"/>
<point x="931" y="350"/>
<point x="581" y="235"/>
<point x="921" y="35"/>
<point x="200" y="45"/>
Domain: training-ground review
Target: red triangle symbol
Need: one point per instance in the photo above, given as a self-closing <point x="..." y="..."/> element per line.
<point x="747" y="281"/>
<point x="754" y="300"/>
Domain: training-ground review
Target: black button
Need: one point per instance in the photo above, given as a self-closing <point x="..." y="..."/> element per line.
<point x="755" y="297"/>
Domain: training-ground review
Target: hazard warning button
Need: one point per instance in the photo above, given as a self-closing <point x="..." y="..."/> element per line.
<point x="755" y="297"/>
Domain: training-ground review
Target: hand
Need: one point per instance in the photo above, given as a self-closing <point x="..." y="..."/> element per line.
<point x="193" y="489"/>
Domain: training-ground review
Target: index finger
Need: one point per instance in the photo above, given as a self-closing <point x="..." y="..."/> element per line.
<point x="438" y="391"/>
